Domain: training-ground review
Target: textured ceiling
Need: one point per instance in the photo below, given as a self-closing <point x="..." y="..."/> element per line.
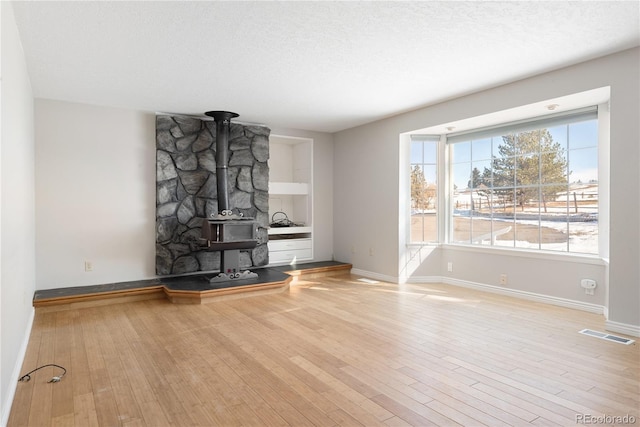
<point x="322" y="66"/>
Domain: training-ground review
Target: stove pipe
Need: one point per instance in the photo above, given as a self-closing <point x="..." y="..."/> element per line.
<point x="223" y="122"/>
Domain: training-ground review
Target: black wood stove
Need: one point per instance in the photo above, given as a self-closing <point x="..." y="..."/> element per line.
<point x="226" y="231"/>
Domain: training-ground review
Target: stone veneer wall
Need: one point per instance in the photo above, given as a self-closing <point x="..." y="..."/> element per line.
<point x="186" y="191"/>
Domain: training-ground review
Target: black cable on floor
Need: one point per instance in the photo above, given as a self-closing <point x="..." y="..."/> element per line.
<point x="26" y="377"/>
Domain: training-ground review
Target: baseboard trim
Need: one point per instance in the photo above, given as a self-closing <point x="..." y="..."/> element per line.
<point x="372" y="275"/>
<point x="531" y="296"/>
<point x="17" y="368"/>
<point x="610" y="325"/>
<point x="425" y="279"/>
<point x="623" y="328"/>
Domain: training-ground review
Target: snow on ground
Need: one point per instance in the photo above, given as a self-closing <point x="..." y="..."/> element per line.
<point x="583" y="237"/>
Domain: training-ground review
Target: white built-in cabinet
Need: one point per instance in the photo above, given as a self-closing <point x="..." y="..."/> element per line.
<point x="290" y="197"/>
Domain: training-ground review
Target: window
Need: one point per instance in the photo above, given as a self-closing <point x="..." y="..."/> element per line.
<point x="530" y="184"/>
<point x="424" y="189"/>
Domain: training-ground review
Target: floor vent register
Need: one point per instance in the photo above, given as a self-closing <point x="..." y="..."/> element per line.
<point x="608" y="337"/>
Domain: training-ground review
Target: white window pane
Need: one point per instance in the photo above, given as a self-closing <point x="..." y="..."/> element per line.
<point x="529" y="142"/>
<point x="461" y="228"/>
<point x="584" y="165"/>
<point x="461" y="174"/>
<point x="481" y="174"/>
<point x="559" y="135"/>
<point x="583" y="134"/>
<point x="583" y="236"/>
<point x="461" y="152"/>
<point x="553" y="233"/>
<point x="528" y="170"/>
<point x="430" y="173"/>
<point x="416" y="152"/>
<point x="527" y="234"/>
<point x="481" y="231"/>
<point x="430" y="152"/>
<point x="423" y="218"/>
<point x="554" y="167"/>
<point x="423" y="227"/>
<point x="481" y="149"/>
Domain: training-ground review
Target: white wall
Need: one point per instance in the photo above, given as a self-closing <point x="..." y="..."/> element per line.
<point x="95" y="194"/>
<point x="17" y="232"/>
<point x="366" y="172"/>
<point x="624" y="249"/>
<point x="366" y="198"/>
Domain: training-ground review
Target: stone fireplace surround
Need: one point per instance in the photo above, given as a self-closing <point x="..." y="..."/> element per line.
<point x="186" y="190"/>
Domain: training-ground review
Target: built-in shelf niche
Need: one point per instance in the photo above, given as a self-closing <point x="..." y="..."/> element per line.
<point x="290" y="191"/>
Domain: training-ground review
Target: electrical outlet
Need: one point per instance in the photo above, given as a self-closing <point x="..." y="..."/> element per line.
<point x="88" y="266"/>
<point x="503" y="279"/>
<point x="449" y="266"/>
<point x="589" y="286"/>
<point x="371" y="252"/>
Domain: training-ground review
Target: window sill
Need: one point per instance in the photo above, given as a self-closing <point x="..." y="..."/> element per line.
<point x="421" y="245"/>
<point x="523" y="253"/>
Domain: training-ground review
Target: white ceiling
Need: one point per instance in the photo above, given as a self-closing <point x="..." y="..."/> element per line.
<point x="323" y="66"/>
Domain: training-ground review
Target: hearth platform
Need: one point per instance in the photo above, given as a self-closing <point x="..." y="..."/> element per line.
<point x="189" y="289"/>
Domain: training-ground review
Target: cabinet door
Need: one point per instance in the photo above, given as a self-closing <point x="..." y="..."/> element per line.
<point x="289" y="256"/>
<point x="289" y="244"/>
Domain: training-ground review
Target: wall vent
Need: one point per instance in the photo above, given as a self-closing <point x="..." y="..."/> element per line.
<point x="608" y="337"/>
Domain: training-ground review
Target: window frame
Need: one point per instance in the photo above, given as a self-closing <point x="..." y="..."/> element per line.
<point x="440" y="189"/>
<point x="520" y="126"/>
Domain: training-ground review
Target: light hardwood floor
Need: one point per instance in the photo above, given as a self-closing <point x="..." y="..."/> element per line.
<point x="330" y="351"/>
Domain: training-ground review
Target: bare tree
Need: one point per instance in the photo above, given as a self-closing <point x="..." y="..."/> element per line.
<point x="422" y="193"/>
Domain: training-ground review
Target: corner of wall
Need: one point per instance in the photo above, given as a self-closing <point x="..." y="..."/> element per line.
<point x="9" y="394"/>
<point x="17" y="201"/>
